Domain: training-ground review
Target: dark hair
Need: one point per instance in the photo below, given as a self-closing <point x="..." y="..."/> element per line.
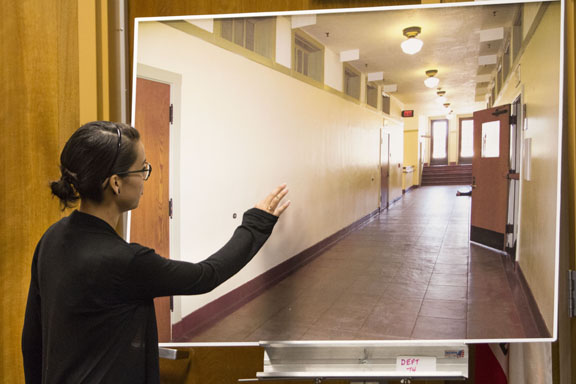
<point x="90" y="156"/>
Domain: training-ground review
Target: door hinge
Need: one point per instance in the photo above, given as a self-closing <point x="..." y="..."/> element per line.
<point x="509" y="228"/>
<point x="171" y="303"/>
<point x="513" y="175"/>
<point x="170" y="208"/>
<point x="572" y="293"/>
<point x="513" y="120"/>
<point x="171" y="113"/>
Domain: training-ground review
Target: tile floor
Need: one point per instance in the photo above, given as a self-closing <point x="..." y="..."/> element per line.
<point x="408" y="274"/>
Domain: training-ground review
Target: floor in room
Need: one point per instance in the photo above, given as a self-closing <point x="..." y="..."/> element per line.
<point x="411" y="273"/>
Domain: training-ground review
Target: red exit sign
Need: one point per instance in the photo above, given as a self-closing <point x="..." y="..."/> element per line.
<point x="409" y="113"/>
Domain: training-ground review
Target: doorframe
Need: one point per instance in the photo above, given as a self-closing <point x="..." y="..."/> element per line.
<point x="384" y="133"/>
<point x="515" y="202"/>
<point x="432" y="140"/>
<point x="175" y="81"/>
<point x="463" y="160"/>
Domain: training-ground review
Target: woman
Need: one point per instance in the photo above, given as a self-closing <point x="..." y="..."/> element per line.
<point x="90" y="313"/>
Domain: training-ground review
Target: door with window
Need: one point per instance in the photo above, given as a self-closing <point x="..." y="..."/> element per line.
<point x="466" y="141"/>
<point x="439" y="130"/>
<point x="490" y="169"/>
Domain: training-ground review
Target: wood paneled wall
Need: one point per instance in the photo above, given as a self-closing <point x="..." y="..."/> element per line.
<point x="38" y="111"/>
<point x="567" y="337"/>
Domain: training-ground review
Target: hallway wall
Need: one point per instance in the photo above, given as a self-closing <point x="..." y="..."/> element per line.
<point x="246" y="128"/>
<point x="538" y="201"/>
<point x="411" y="147"/>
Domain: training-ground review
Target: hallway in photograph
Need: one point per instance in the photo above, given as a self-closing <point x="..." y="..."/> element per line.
<point x="410" y="273"/>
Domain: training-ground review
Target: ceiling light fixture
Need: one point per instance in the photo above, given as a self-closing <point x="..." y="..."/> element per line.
<point x="441" y="99"/>
<point x="448" y="111"/>
<point x="431" y="81"/>
<point x="411" y="45"/>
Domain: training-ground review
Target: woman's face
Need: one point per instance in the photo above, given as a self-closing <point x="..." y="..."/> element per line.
<point x="132" y="184"/>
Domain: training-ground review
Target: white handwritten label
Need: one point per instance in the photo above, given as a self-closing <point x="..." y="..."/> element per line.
<point x="415" y="363"/>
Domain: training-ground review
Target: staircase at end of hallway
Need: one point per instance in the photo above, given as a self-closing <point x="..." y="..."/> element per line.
<point x="447" y="175"/>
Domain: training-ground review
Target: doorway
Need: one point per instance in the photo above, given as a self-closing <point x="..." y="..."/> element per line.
<point x="150" y="223"/>
<point x="490" y="175"/>
<point x="516" y="120"/>
<point x="466" y="140"/>
<point x="439" y="130"/>
<point x="384" y="168"/>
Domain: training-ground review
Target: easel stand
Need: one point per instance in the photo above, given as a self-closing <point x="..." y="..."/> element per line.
<point x="364" y="361"/>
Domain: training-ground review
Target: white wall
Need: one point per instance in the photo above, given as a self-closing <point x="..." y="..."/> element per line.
<point x="333" y="70"/>
<point x="245" y="129"/>
<point x="283" y="41"/>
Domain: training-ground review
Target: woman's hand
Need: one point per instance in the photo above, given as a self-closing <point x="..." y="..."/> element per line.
<point x="271" y="203"/>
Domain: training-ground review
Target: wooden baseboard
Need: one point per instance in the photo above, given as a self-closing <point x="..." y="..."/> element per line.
<point x="201" y="319"/>
<point x="534" y="325"/>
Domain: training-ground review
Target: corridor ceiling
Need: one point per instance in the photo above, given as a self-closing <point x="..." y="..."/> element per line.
<point x="451" y="37"/>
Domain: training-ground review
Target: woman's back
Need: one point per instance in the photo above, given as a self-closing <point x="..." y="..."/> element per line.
<point x="93" y="327"/>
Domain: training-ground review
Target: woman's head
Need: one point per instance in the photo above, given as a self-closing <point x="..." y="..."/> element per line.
<point x="94" y="152"/>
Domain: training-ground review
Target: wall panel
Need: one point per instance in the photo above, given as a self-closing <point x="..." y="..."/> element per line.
<point x="39" y="110"/>
<point x="567" y="330"/>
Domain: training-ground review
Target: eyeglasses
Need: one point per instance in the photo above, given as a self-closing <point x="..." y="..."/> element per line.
<point x="147" y="171"/>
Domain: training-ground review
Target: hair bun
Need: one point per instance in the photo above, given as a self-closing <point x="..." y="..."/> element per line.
<point x="64" y="189"/>
<point x="69" y="177"/>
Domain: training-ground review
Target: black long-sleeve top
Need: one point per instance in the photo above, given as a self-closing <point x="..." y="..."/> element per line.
<point x="90" y="313"/>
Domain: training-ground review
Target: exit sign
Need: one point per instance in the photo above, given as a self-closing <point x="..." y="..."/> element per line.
<point x="409" y="113"/>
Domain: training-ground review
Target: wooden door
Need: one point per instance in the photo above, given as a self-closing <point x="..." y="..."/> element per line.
<point x="490" y="168"/>
<point x="384" y="168"/>
<point x="150" y="221"/>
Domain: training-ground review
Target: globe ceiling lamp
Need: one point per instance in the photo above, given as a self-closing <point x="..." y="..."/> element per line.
<point x="441" y="99"/>
<point x="431" y="81"/>
<point x="411" y="45"/>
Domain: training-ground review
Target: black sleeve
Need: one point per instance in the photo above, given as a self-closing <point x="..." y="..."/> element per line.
<point x="150" y="275"/>
<point x="32" y="332"/>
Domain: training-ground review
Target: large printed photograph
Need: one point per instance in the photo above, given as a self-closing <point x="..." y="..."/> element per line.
<point x="420" y="145"/>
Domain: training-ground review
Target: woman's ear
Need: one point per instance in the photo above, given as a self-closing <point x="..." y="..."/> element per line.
<point x="115" y="184"/>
